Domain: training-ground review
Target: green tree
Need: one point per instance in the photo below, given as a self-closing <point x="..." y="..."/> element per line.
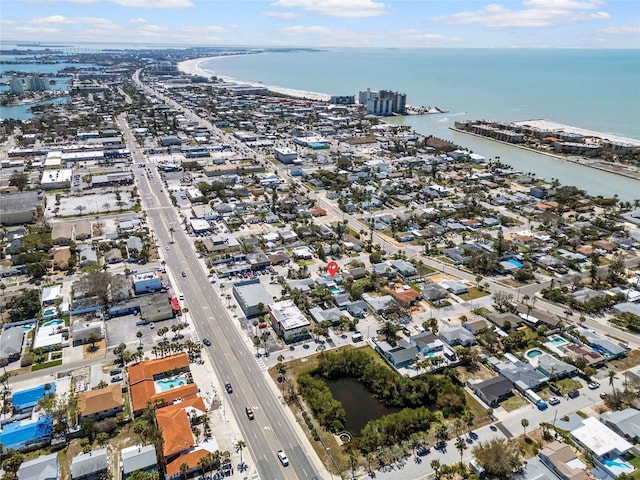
<point x="525" y="423"/>
<point x="19" y="180"/>
<point x="461" y="446"/>
<point x="499" y="457"/>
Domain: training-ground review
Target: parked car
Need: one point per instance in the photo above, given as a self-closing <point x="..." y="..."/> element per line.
<point x="228" y="387"/>
<point x="249" y="412"/>
<point x="206" y="341"/>
<point x="574" y="393"/>
<point x="593" y="385"/>
<point x="603" y="395"/>
<point x="422" y="451"/>
<point x="117" y="378"/>
<point x="115" y="371"/>
<point x="554" y="401"/>
<point x="283" y="458"/>
<point x="184" y="274"/>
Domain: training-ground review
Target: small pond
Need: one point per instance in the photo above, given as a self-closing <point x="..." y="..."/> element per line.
<point x="358" y="403"/>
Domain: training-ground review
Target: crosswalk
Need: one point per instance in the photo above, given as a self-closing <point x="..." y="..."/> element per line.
<point x="261" y="364"/>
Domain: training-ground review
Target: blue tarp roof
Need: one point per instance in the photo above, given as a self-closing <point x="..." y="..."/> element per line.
<point x="17" y="436"/>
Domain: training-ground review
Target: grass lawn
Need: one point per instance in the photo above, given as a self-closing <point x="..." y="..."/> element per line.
<point x="513" y="403"/>
<point x="568" y="384"/>
<point x="463" y="373"/>
<point x="473" y="293"/>
<point x="305" y="263"/>
<point x="631" y="360"/>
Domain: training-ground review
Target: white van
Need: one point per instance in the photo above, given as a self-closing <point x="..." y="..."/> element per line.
<point x="180" y="296"/>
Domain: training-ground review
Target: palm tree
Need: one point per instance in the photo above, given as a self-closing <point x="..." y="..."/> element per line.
<point x="435" y="464"/>
<point x="184" y="466"/>
<point x="525" y="423"/>
<point x="461" y="446"/>
<point x="240" y="445"/>
<point x="612" y="377"/>
<point x="139" y="334"/>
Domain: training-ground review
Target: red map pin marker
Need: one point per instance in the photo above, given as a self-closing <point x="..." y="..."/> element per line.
<point x="332" y="268"/>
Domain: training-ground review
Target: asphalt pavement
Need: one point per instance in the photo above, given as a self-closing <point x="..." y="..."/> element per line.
<point x="231" y="355"/>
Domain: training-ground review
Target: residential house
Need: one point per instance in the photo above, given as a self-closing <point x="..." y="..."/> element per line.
<point x="331" y="315"/>
<point x="493" y="391"/>
<point x="138" y="458"/>
<point x="380" y="304"/>
<point x="402" y="355"/>
<point x="609" y="349"/>
<point x="87" y="254"/>
<point x="624" y="422"/>
<point x="458" y="335"/>
<point x="89" y="466"/>
<point x="522" y="375"/>
<point x="11" y="341"/>
<point x="426" y="343"/>
<point x="403" y="268"/>
<point x="434" y="292"/>
<point x="603" y="446"/>
<point x="561" y="459"/>
<point x="101" y="403"/>
<point x="553" y="368"/>
<point x="45" y="467"/>
<point x="454" y="286"/>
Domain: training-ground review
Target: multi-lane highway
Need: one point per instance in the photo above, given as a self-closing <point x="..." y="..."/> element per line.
<point x="230" y="353"/>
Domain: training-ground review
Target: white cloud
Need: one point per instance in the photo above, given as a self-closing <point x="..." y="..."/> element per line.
<point x="563" y="4"/>
<point x="62" y="20"/>
<point x="52" y="20"/>
<point x="337" y="8"/>
<point x="281" y="15"/>
<point x="537" y="14"/>
<point x="144" y="3"/>
<point x="628" y="29"/>
<point x="138" y="21"/>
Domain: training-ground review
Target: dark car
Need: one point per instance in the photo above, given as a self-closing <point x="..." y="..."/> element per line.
<point x="574" y="393"/>
<point x="249" y="412"/>
<point x="228" y="387"/>
<point x="206" y="341"/>
<point x="422" y="451"/>
<point x="115" y="371"/>
<point x="184" y="274"/>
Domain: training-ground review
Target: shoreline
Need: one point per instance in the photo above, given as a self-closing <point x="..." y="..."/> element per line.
<point x="192" y="67"/>
<point x="633" y="175"/>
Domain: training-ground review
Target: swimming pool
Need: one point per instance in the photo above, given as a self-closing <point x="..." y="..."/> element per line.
<point x="533" y="353"/>
<point x="557" y="340"/>
<point x="53" y="323"/>
<point x="27" y="328"/>
<point x="170" y="383"/>
<point x="515" y="263"/>
<point x="49" y="312"/>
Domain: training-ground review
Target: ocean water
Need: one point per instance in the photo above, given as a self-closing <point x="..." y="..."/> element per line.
<point x="592" y="89"/>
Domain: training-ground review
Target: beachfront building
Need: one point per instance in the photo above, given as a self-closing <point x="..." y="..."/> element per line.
<point x="384" y="102"/>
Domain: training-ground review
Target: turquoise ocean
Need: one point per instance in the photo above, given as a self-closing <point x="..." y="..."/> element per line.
<point x="591" y="89"/>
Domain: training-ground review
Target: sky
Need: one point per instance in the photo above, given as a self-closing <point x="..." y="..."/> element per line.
<point x="327" y="23"/>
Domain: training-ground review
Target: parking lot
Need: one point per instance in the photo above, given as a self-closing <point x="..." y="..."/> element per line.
<point x="123" y="330"/>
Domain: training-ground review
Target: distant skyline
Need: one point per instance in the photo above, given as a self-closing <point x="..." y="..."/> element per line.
<point x="328" y="23"/>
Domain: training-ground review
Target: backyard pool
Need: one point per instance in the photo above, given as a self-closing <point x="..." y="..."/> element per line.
<point x="170" y="383"/>
<point x="557" y="340"/>
<point x="53" y="323"/>
<point x="27" y="328"/>
<point x="533" y="353"/>
<point x="49" y="312"/>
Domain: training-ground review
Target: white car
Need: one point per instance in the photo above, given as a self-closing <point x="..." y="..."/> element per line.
<point x="283" y="458"/>
<point x="554" y="401"/>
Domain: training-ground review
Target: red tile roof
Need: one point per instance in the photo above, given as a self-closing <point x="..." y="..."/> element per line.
<point x="143" y="388"/>
<point x="191" y="459"/>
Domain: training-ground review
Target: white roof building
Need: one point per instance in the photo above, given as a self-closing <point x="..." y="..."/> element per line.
<point x="288" y="320"/>
<point x="56" y="178"/>
<point x="599" y="438"/>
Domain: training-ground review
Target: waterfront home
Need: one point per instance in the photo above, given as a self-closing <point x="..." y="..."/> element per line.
<point x="402" y="355"/>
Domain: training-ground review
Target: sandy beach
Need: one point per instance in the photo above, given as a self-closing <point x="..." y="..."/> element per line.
<point x="547" y="125"/>
<point x="192" y="67"/>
